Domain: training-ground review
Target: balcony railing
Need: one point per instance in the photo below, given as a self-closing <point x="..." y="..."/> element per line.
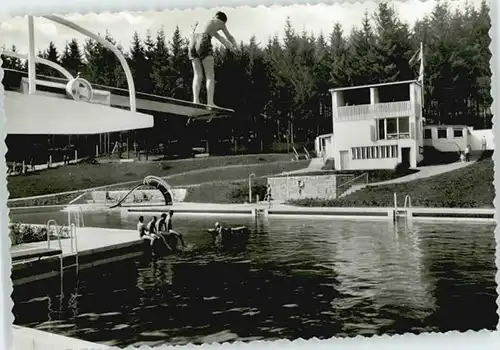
<point x="379" y="110"/>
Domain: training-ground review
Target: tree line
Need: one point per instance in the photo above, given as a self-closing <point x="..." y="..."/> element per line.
<point x="280" y="88"/>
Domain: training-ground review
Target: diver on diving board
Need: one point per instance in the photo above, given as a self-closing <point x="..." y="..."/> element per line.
<point x="201" y="54"/>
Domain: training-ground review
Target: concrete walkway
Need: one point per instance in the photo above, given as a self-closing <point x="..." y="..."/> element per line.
<point x="427" y="171"/>
<point x="89" y="238"/>
<point x="423" y="172"/>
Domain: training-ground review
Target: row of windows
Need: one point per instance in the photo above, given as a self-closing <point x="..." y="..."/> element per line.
<point x="375" y="152"/>
<point x="443" y="133"/>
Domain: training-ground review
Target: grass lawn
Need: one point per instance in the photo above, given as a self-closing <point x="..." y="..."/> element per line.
<point x="82" y="176"/>
<point x="469" y="187"/>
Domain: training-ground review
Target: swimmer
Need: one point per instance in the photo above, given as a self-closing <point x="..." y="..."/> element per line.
<point x="201" y="54"/>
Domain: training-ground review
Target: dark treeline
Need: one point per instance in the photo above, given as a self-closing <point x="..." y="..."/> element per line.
<point x="281" y="87"/>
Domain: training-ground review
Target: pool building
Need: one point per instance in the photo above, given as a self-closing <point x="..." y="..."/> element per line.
<point x="379" y="126"/>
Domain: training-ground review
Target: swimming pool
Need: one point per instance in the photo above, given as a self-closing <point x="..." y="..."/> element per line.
<point x="295" y="278"/>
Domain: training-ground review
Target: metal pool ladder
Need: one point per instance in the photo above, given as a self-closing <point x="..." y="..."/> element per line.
<point x="406" y="208"/>
<point x="78" y="222"/>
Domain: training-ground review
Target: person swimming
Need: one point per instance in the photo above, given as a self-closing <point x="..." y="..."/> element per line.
<point x="200" y="53"/>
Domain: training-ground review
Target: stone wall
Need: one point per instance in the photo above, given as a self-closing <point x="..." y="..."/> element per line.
<point x="313" y="186"/>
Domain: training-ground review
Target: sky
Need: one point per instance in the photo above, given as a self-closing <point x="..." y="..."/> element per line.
<point x="243" y="22"/>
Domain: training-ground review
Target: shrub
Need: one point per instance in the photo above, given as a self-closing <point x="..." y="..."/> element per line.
<point x="239" y="194"/>
<point x="402" y="169"/>
<point x="26" y="233"/>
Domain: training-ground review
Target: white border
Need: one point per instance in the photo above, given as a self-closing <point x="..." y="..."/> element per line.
<point x="450" y="340"/>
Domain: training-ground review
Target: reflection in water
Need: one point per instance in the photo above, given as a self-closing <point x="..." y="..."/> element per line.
<point x="294" y="278"/>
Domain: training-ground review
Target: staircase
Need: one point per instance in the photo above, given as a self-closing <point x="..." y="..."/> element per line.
<point x="353" y="189"/>
<point x="353" y="185"/>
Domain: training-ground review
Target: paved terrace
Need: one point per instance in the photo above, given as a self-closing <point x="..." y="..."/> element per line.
<point x="27" y="338"/>
<point x="89" y="239"/>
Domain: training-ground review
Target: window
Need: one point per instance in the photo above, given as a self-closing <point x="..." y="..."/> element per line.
<point x="404" y="125"/>
<point x="442" y="134"/>
<point x="394" y="151"/>
<point x="427" y="134"/>
<point x="457" y="133"/>
<point x="374" y="152"/>
<point x="392" y="127"/>
<point x="381" y="129"/>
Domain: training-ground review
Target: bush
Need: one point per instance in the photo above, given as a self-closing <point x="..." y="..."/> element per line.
<point x="25" y="233"/>
<point x="239" y="194"/>
<point x="402" y="169"/>
<point x="433" y="156"/>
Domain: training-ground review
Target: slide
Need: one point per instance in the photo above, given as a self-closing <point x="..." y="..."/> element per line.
<point x="152" y="181"/>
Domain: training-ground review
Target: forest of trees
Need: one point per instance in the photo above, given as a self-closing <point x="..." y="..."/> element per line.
<point x="285" y="81"/>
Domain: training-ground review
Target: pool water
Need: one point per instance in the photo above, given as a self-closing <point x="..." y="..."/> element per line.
<point x="295" y="278"/>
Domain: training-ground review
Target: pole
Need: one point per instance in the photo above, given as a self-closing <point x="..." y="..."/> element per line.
<point x="31" y="56"/>
<point x="250" y="187"/>
<point x="422" y="72"/>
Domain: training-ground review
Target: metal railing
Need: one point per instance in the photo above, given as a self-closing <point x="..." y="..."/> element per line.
<point x="344" y="187"/>
<point x="406" y="207"/>
<point x="308" y="156"/>
<point x="367" y="111"/>
<point x="297" y="156"/>
<point x="32" y="59"/>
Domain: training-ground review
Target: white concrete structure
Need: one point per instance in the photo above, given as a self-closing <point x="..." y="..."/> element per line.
<point x="376" y="134"/>
<point x="454" y="138"/>
<point x="323" y="144"/>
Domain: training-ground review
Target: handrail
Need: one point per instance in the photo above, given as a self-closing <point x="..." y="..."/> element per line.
<point x="407" y="202"/>
<point x="49" y="63"/>
<point x="107" y="44"/>
<point x="296" y="153"/>
<point x="407" y="205"/>
<point x="307" y="153"/>
<point x="354" y="179"/>
<point x="49" y="223"/>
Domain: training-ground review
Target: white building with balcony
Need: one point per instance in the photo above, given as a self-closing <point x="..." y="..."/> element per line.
<point x="375" y="127"/>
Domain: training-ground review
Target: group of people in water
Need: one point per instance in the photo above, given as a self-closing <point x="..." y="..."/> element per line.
<point x="163" y="230"/>
<point x="160" y="229"/>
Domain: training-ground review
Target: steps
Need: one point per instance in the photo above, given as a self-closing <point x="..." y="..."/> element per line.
<point x="352" y="189"/>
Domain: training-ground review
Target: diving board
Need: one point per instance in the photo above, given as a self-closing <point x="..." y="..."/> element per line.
<point x="190" y="110"/>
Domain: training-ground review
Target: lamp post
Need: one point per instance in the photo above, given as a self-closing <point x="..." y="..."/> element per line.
<point x="250" y="187"/>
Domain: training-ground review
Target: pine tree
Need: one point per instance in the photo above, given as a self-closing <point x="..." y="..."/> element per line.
<point x="71" y="58"/>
